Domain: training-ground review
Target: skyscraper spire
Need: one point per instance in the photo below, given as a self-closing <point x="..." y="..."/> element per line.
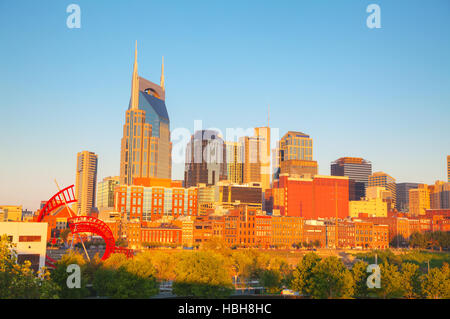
<point x="162" y="75"/>
<point x="135" y="83"/>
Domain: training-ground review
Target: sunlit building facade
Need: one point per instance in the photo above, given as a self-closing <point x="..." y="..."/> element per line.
<point x="402" y="190"/>
<point x="234" y="162"/>
<point x="148" y="204"/>
<point x="105" y="192"/>
<point x="205" y="159"/>
<point x="146" y="150"/>
<point x="419" y="200"/>
<point x="384" y="180"/>
<point x="86" y="182"/>
<point x="295" y="156"/>
<point x="356" y="169"/>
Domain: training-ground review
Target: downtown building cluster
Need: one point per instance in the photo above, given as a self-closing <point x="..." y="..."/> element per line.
<point x="242" y="191"/>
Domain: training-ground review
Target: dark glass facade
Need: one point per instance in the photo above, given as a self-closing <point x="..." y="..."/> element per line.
<point x="205" y="159"/>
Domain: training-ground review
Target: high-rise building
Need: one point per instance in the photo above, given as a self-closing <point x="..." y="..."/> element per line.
<point x="448" y="168"/>
<point x="146" y="150"/>
<point x="234" y="162"/>
<point x="86" y="182"/>
<point x="105" y="192"/>
<point x="384" y="180"/>
<point x="440" y="195"/>
<point x="251" y="147"/>
<point x="263" y="133"/>
<point x="402" y="190"/>
<point x="295" y="155"/>
<point x="205" y="159"/>
<point x="419" y="200"/>
<point x="356" y="169"/>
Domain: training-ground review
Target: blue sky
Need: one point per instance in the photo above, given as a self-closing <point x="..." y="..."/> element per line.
<point x="382" y="94"/>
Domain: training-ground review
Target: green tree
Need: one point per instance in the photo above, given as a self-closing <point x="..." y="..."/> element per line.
<point x="216" y="244"/>
<point x="331" y="279"/>
<point x="302" y="274"/>
<point x="20" y="281"/>
<point x="59" y="276"/>
<point x="417" y="240"/>
<point x="122" y="284"/>
<point x="271" y="280"/>
<point x="410" y="280"/>
<point x="391" y="282"/>
<point x="436" y="284"/>
<point x="241" y="265"/>
<point x="359" y="272"/>
<point x="202" y="274"/>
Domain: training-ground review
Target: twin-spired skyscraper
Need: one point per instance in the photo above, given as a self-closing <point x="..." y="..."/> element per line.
<point x="146" y="150"/>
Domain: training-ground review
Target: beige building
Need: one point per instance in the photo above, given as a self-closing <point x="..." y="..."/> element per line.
<point x="419" y="200"/>
<point x="234" y="162"/>
<point x="439" y="195"/>
<point x="252" y="160"/>
<point x="372" y="207"/>
<point x="105" y="192"/>
<point x="86" y="182"/>
<point x="294" y="156"/>
<point x="146" y="150"/>
<point x="30" y="240"/>
<point x="186" y="223"/>
<point x="448" y="168"/>
<point x="387" y="182"/>
<point x="263" y="133"/>
<point x="374" y="204"/>
<point x="9" y="213"/>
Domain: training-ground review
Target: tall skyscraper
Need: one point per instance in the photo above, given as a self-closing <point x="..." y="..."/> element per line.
<point x="251" y="147"/>
<point x="440" y="195"/>
<point x="105" y="192"/>
<point x="85" y="183"/>
<point x="234" y="162"/>
<point x="384" y="180"/>
<point x="402" y="190"/>
<point x="295" y="155"/>
<point x="419" y="200"/>
<point x="146" y="150"/>
<point x="356" y="169"/>
<point x="205" y="159"/>
<point x="448" y="168"/>
<point x="263" y="133"/>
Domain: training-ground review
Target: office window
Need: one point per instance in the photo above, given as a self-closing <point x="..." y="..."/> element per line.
<point x="29" y="239"/>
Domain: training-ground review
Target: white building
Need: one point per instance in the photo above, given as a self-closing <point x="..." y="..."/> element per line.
<point x="30" y="240"/>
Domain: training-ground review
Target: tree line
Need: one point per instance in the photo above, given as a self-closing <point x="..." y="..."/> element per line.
<point x="209" y="273"/>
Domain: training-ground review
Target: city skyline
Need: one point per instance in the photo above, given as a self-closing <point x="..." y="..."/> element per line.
<point x="25" y="141"/>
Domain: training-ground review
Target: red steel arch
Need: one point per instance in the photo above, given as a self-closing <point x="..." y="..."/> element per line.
<point x="82" y="224"/>
<point x="66" y="195"/>
<point x="89" y="224"/>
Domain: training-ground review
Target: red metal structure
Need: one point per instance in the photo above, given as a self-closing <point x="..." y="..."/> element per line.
<point x="82" y="224"/>
<point x="88" y="224"/>
<point x="65" y="196"/>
